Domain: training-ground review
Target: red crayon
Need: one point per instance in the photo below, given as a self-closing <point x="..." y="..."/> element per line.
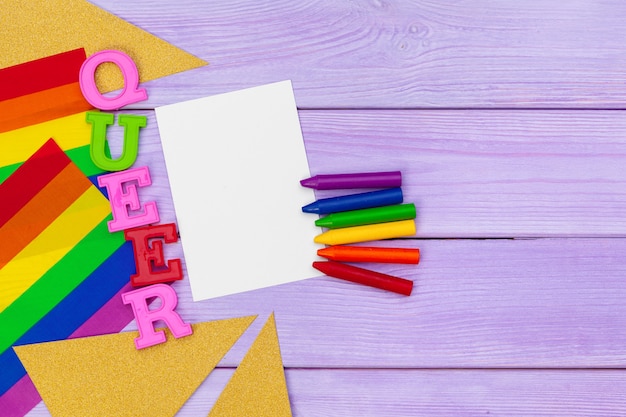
<point x="365" y="277"/>
<point x="370" y="254"/>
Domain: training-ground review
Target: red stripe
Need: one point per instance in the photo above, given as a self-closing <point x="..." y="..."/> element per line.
<point x="40" y="211"/>
<point x="41" y="74"/>
<point x="30" y="178"/>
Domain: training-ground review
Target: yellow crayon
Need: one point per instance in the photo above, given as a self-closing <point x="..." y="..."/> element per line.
<point x="367" y="232"/>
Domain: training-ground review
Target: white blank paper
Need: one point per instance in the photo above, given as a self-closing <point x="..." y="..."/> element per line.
<point x="234" y="163"/>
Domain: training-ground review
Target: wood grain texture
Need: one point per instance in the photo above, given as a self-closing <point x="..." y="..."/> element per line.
<point x="425" y="393"/>
<point x="554" y="303"/>
<point x="390" y="393"/>
<point x="477" y="303"/>
<point x="472" y="173"/>
<point x="532" y="326"/>
<point x="396" y="54"/>
<point x="488" y="173"/>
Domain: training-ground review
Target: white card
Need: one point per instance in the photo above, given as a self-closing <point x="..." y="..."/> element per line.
<point x="235" y="162"/>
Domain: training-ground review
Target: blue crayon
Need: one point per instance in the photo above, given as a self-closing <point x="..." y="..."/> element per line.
<point x="355" y="201"/>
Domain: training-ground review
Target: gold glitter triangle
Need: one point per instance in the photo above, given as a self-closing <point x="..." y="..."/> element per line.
<point x="258" y="386"/>
<point x="108" y="376"/>
<point x="35" y="29"/>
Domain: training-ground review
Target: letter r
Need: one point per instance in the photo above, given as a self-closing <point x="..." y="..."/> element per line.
<point x="145" y="317"/>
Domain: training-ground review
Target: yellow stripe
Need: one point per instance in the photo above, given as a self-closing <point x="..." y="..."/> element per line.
<point x="69" y="132"/>
<point x="52" y="245"/>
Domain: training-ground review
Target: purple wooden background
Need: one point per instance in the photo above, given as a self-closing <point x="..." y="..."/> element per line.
<point x="506" y="119"/>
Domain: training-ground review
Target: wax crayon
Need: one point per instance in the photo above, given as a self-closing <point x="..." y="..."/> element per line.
<point x="355" y="201"/>
<point x="368" y="216"/>
<point x="365" y="277"/>
<point x="358" y="180"/>
<point x="370" y="254"/>
<point x="366" y="233"/>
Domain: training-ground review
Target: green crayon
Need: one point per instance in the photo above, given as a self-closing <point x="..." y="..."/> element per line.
<point x="368" y="216"/>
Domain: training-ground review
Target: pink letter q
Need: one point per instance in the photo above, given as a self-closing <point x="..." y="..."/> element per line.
<point x="129" y="95"/>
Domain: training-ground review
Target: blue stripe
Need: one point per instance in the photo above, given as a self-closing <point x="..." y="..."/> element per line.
<point x="72" y="311"/>
<point x="94" y="181"/>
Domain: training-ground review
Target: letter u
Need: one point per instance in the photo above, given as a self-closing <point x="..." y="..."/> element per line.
<point x="97" y="150"/>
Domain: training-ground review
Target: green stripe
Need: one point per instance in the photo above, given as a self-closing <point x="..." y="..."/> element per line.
<point x="58" y="282"/>
<point x="80" y="156"/>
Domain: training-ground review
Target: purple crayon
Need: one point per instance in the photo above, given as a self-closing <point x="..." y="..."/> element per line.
<point x="360" y="180"/>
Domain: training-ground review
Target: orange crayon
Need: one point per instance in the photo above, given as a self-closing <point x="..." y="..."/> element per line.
<point x="370" y="254"/>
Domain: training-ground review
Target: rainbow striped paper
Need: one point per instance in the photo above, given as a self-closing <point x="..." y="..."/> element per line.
<point x="61" y="270"/>
<point x="41" y="90"/>
<point x="29" y="124"/>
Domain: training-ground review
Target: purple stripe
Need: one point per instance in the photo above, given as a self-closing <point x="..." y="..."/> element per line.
<point x="19" y="399"/>
<point x="111" y="318"/>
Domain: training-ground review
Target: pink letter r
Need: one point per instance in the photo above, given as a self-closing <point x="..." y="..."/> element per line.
<point x="146" y="317"/>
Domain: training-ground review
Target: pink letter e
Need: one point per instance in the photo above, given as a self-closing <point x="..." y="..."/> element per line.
<point x="124" y="198"/>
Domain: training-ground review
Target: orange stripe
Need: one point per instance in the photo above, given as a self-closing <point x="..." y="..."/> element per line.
<point x="42" y="106"/>
<point x="40" y="211"/>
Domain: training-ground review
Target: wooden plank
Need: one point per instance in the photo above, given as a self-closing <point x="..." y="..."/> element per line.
<point x="487" y="173"/>
<point x="318" y="393"/>
<point x="471" y="173"/>
<point x="396" y="54"/>
<point x="477" y="303"/>
<point x="485" y="314"/>
<point x="428" y="393"/>
<point x="555" y="303"/>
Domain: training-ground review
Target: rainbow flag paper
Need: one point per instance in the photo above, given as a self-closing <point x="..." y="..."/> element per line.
<point x="61" y="270"/>
<point x="34" y="115"/>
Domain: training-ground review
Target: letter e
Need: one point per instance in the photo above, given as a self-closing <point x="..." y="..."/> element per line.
<point x="123" y="198"/>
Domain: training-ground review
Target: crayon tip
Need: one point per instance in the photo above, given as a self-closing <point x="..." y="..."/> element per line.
<point x="324" y="222"/>
<point x="326" y="253"/>
<point x="320" y="266"/>
<point x="311" y="208"/>
<point x="309" y="182"/>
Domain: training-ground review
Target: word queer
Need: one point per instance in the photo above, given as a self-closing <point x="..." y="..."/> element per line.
<point x="137" y="220"/>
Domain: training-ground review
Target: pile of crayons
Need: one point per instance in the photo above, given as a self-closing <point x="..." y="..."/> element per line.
<point x="363" y="217"/>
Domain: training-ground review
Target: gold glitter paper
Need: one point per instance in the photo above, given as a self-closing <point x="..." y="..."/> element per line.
<point x="258" y="386"/>
<point x="35" y="29"/>
<point x="105" y="376"/>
